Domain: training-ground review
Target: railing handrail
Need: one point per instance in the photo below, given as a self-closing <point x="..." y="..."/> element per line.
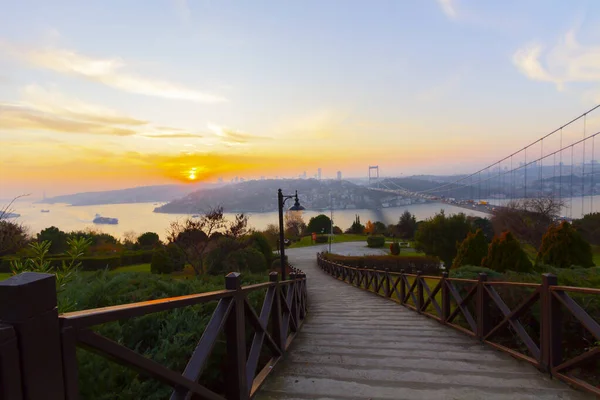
<point x="481" y="294"/>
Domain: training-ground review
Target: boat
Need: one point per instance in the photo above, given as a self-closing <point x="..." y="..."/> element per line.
<point x="45" y="211"/>
<point x="105" y="220"/>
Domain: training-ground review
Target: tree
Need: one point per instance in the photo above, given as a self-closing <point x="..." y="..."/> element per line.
<point x="356" y="227"/>
<point x="528" y="219"/>
<point x="589" y="227"/>
<point x="319" y="224"/>
<point x="485" y="225"/>
<point x="369" y="227"/>
<point x="148" y="240"/>
<point x="294" y="224"/>
<point x="505" y="254"/>
<point x="13" y="237"/>
<point x="194" y="237"/>
<point x="439" y="235"/>
<point x="407" y="225"/>
<point x="379" y="228"/>
<point x="130" y="239"/>
<point x="472" y="250"/>
<point x="271" y="232"/>
<point x="56" y="237"/>
<point x="563" y="247"/>
<point x="161" y="262"/>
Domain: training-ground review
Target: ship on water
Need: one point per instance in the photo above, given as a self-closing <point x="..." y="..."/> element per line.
<point x="105" y="220"/>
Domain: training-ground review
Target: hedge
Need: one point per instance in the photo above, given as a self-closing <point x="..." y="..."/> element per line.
<point x="375" y="241"/>
<point x="94" y="263"/>
<point x="410" y="264"/>
<point x="322" y="239"/>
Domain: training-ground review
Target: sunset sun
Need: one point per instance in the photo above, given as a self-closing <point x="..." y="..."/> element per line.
<point x="192" y="174"/>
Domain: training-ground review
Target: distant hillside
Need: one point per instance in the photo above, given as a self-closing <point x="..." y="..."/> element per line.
<point x="261" y="196"/>
<point x="143" y="194"/>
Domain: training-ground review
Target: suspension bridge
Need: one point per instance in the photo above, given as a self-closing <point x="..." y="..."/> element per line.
<point x="561" y="164"/>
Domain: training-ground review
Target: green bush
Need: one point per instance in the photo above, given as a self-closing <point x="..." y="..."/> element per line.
<point x="395" y="248"/>
<point x="322" y="239"/>
<point x="472" y="250"/>
<point x="260" y="242"/>
<point x="472" y="272"/>
<point x="276" y="264"/>
<point x="177" y="256"/>
<point x="375" y="241"/>
<point x="246" y="260"/>
<point x="161" y="263"/>
<point x="505" y="254"/>
<point x="410" y="264"/>
<point x="563" y="247"/>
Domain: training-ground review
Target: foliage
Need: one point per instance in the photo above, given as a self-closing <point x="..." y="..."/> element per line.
<point x="148" y="240"/>
<point x="472" y="272"/>
<point x="322" y="239"/>
<point x="56" y="238"/>
<point x="589" y="227"/>
<point x="472" y="250"/>
<point x="276" y="264"/>
<point x="395" y="248"/>
<point x="356" y="226"/>
<point x="294" y="225"/>
<point x="272" y="235"/>
<point x="67" y="270"/>
<point x="369" y="227"/>
<point x="410" y="264"/>
<point x="379" y="228"/>
<point x="168" y="338"/>
<point x="375" y="241"/>
<point x="247" y="259"/>
<point x="319" y="224"/>
<point x="527" y="219"/>
<point x="505" y="254"/>
<point x="407" y="225"/>
<point x="13" y="236"/>
<point x="439" y="235"/>
<point x="485" y="225"/>
<point x="337" y="230"/>
<point x="215" y="259"/>
<point x="260" y="242"/>
<point x="193" y="236"/>
<point x="161" y="262"/>
<point x="563" y="247"/>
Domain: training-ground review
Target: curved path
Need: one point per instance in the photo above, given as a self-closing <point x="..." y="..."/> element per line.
<point x="356" y="345"/>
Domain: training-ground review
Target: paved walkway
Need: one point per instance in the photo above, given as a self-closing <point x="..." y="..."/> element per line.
<point x="356" y="345"/>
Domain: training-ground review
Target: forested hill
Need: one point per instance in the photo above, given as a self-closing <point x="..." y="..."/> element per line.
<point x="261" y="196"/>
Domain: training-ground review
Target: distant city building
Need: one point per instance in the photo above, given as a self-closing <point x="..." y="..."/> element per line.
<point x="319" y="174"/>
<point x="339" y="175"/>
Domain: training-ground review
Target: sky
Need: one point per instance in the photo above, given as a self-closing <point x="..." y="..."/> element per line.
<point x="110" y="94"/>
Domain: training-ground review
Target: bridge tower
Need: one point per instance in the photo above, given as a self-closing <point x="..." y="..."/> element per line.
<point x="373" y="175"/>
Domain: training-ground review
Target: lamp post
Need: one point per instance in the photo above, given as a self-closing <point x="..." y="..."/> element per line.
<point x="281" y="199"/>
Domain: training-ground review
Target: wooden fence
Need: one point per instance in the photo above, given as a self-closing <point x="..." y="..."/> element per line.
<point x="477" y="308"/>
<point x="38" y="346"/>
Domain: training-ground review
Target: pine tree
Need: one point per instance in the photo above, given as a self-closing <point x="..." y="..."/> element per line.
<point x="472" y="250"/>
<point x="505" y="254"/>
<point x="563" y="247"/>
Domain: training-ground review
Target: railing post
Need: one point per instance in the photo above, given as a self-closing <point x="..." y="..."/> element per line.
<point x="276" y="327"/>
<point x="445" y="297"/>
<point x="28" y="304"/>
<point x="482" y="307"/>
<point x="10" y="372"/>
<point x="387" y="283"/>
<point x="235" y="336"/>
<point x="420" y="297"/>
<point x="551" y="325"/>
<point x="402" y="287"/>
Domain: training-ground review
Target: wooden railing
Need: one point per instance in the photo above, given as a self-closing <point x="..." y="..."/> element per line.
<point x="38" y="346"/>
<point x="479" y="308"/>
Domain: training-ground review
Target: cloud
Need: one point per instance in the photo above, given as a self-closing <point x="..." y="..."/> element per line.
<point x="110" y="72"/>
<point x="174" y="136"/>
<point x="14" y="117"/>
<point x="568" y="61"/>
<point x="234" y="137"/>
<point x="448" y="7"/>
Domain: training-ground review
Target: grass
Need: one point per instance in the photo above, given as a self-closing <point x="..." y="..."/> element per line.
<point x="347" y="237"/>
<point x="5" y="275"/>
<point x="596" y="255"/>
<point x="133" y="268"/>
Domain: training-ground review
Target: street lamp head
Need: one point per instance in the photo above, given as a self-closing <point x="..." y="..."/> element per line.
<point x="296" y="206"/>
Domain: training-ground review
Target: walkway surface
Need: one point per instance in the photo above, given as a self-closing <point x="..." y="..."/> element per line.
<point x="356" y="345"/>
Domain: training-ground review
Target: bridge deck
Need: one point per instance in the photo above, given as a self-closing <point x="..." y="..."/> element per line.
<point x="355" y="345"/>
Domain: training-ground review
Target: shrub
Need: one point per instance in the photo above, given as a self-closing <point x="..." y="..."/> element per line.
<point x="320" y="223"/>
<point x="337" y="230"/>
<point x="246" y="260"/>
<point x="375" y="241"/>
<point x="438" y="236"/>
<point x="472" y="250"/>
<point x="472" y="272"/>
<point x="176" y="256"/>
<point x="276" y="264"/>
<point x="322" y="239"/>
<point x="505" y="254"/>
<point x="161" y="263"/>
<point x="260" y="242"/>
<point x="395" y="248"/>
<point x="563" y="247"/>
<point x="148" y="240"/>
